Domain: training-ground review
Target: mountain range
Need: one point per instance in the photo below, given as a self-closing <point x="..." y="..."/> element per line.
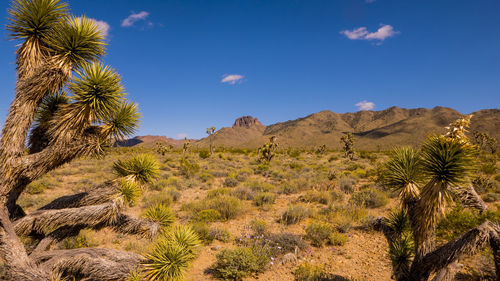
<point x="373" y="130"/>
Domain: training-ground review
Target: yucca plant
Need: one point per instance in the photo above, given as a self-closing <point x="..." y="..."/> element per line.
<point x="129" y="190"/>
<point x="143" y="168"/>
<point x="428" y="180"/>
<point x="66" y="116"/>
<point x="171" y="255"/>
<point x="161" y="214"/>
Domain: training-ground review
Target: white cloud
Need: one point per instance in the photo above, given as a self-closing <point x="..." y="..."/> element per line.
<point x="135" y="17"/>
<point x="232" y="78"/>
<point x="361" y="33"/>
<point x="181" y="135"/>
<point x="102" y="25"/>
<point x="365" y="105"/>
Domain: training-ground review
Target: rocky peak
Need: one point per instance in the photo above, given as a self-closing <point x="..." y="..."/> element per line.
<point x="246" y="122"/>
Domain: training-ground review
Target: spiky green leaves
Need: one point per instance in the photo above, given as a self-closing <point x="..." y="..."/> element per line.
<point x="403" y="171"/>
<point x="97" y="92"/>
<point x="129" y="190"/>
<point x="161" y="214"/>
<point x="123" y="122"/>
<point x="50" y="104"/>
<point x="447" y="160"/>
<point x="143" y="168"/>
<point x="171" y="255"/>
<point x="34" y="19"/>
<point x="401" y="252"/>
<point x="77" y="40"/>
<point x="399" y="222"/>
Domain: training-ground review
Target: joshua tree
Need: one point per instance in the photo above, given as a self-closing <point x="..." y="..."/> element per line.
<point x="268" y="150"/>
<point x="162" y="149"/>
<point x="321" y="149"/>
<point x="210" y="132"/>
<point x="67" y="104"/>
<point x="348" y="143"/>
<point x="185" y="146"/>
<point x="483" y="140"/>
<point x="428" y="180"/>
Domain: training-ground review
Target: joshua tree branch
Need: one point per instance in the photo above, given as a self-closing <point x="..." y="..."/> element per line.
<point x="449" y="253"/>
<point x="469" y="198"/>
<point x="91" y="263"/>
<point x="43" y="221"/>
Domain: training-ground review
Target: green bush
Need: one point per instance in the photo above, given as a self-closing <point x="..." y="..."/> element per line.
<point x="259" y="186"/>
<point x="309" y="272"/>
<point x="218" y="192"/>
<point x="220" y="234"/>
<point x="336" y="196"/>
<point x="337" y="239"/>
<point x="209" y="215"/>
<point x="294" y="214"/>
<point x="204" y="154"/>
<point x="460" y="220"/>
<point x="322" y="197"/>
<point x="35" y="187"/>
<point x="188" y="168"/>
<point x="231" y="182"/>
<point x="236" y="264"/>
<point x="243" y="193"/>
<point x="227" y="206"/>
<point x="259" y="226"/>
<point x="205" y="176"/>
<point x="264" y="198"/>
<point x="318" y="233"/>
<point x="294" y="186"/>
<point x="370" y="198"/>
<point x="346" y="184"/>
<point x="160" y="214"/>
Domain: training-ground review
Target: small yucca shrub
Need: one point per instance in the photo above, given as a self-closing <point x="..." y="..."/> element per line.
<point x="129" y="190"/>
<point x="171" y="255"/>
<point x="160" y="214"/>
<point x="143" y="168"/>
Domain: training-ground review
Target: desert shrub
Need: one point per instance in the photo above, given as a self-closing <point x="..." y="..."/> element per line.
<point x="261" y="169"/>
<point x="370" y="198"/>
<point x="84" y="239"/>
<point x="204" y="154"/>
<point x="264" y="198"/>
<point x="235" y="264"/>
<point x="259" y="226"/>
<point x="497" y="178"/>
<point x="346" y="184"/>
<point x="460" y="220"/>
<point x="227" y="206"/>
<point x="209" y="215"/>
<point x="294" y="214"/>
<point x="231" y="182"/>
<point x="203" y="232"/>
<point x="294" y="186"/>
<point x="309" y="272"/>
<point x="294" y="153"/>
<point x="337" y="239"/>
<point x="296" y="165"/>
<point x="159" y="184"/>
<point x="218" y="192"/>
<point x="188" y="168"/>
<point x="275" y="243"/>
<point x="174" y="193"/>
<point x="321" y="197"/>
<point x="160" y="214"/>
<point x="336" y="196"/>
<point x="318" y="233"/>
<point x="489" y="167"/>
<point x="205" y="176"/>
<point x="483" y="184"/>
<point x="35" y="187"/>
<point x="243" y="193"/>
<point x="259" y="186"/>
<point x="220" y="234"/>
<point x="155" y="198"/>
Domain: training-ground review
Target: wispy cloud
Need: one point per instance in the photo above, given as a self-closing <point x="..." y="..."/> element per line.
<point x="181" y="135"/>
<point x="232" y="78"/>
<point x="365" y="105"/>
<point x="362" y="33"/>
<point x="102" y="25"/>
<point x="370" y="1"/>
<point x="135" y="17"/>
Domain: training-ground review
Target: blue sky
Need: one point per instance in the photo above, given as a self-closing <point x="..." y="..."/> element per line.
<point x="195" y="64"/>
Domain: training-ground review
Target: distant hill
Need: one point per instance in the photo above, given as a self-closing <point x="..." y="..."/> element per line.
<point x="150" y="141"/>
<point x="372" y="129"/>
